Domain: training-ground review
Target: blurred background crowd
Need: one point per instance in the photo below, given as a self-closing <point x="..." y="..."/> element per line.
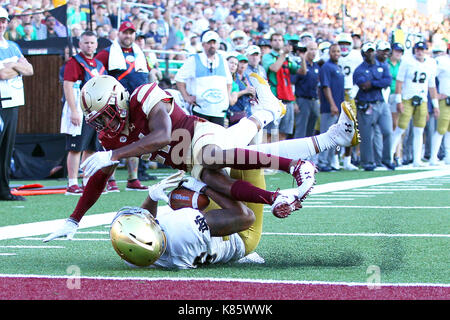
<point x="168" y="31"/>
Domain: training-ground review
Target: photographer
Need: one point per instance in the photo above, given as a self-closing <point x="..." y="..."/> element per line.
<point x="306" y="91"/>
<point x="279" y="68"/>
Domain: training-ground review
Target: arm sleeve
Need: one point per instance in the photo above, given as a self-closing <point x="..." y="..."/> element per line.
<point x="324" y="77"/>
<point x="72" y="71"/>
<point x="186" y="70"/>
<point x="385" y="80"/>
<point x="103" y="57"/>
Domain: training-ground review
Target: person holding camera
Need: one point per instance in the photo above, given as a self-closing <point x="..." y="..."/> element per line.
<point x="279" y="68"/>
<point x="372" y="76"/>
<point x="415" y="78"/>
<point x="306" y="91"/>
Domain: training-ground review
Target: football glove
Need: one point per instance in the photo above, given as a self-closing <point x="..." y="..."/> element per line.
<point x="68" y="230"/>
<point x="158" y="191"/>
<point x="97" y="161"/>
<point x="193" y="184"/>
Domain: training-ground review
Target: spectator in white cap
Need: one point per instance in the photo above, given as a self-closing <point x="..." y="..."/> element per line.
<point x="205" y="81"/>
<point x="253" y="54"/>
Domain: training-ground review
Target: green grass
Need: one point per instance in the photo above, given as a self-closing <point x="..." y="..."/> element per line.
<point x="301" y="256"/>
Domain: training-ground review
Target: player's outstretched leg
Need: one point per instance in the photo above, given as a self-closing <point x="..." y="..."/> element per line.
<point x="345" y="132"/>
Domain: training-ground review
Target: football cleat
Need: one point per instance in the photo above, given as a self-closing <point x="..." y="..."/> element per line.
<point x="135" y="185"/>
<point x="265" y="100"/>
<point x="304" y="174"/>
<point x="284" y="204"/>
<point x="74" y="190"/>
<point x="345" y="132"/>
<point x="350" y="167"/>
<point x="252" y="258"/>
<point x="111" y="186"/>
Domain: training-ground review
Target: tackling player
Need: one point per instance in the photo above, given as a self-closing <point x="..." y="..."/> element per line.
<point x="149" y="124"/>
<point x="416" y="76"/>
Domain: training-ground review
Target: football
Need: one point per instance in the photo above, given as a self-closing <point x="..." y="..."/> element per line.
<point x="185" y="198"/>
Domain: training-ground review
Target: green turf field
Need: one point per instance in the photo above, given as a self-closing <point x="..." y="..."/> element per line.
<point x="399" y="228"/>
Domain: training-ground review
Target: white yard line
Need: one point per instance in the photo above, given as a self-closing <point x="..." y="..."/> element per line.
<point x="46" y="227"/>
<point x="32" y="247"/>
<point x="313" y="205"/>
<point x="387" y="235"/>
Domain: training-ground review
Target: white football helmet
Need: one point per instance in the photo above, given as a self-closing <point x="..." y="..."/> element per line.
<point x="345" y="41"/>
<point x="104" y="101"/>
<point x="137" y="237"/>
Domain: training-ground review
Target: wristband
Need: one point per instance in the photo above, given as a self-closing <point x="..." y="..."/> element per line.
<point x="398" y="98"/>
<point x="435" y="103"/>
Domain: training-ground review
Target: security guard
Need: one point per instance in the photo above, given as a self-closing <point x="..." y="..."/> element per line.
<point x="371" y="77"/>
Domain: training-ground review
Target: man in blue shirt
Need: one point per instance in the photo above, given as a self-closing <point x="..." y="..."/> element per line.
<point x="371" y="77"/>
<point x="306" y="85"/>
<point x="331" y="94"/>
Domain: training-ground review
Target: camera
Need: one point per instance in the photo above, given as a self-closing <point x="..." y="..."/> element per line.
<point x="297" y="46"/>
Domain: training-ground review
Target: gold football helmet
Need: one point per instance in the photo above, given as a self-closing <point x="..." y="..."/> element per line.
<point x="137" y="237"/>
<point x="104" y="101"/>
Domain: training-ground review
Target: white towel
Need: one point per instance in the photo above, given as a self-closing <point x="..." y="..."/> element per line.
<point x="67" y="126"/>
<point x="117" y="59"/>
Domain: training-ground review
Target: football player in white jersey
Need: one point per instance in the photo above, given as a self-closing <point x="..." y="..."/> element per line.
<point x="415" y="78"/>
<point x="443" y="124"/>
<point x="184" y="238"/>
<point x="350" y="59"/>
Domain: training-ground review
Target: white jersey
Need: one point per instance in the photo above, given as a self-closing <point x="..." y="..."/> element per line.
<point x="189" y="242"/>
<point x="417" y="77"/>
<point x="348" y="65"/>
<point x="443" y="74"/>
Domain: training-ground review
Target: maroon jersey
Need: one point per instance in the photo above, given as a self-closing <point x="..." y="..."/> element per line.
<point x="143" y="99"/>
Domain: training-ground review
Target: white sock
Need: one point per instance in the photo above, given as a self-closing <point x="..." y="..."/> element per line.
<point x="417" y="144"/>
<point x="85" y="181"/>
<point x="396" y="137"/>
<point x="263" y="116"/>
<point x="347" y="161"/>
<point x="301" y="148"/>
<point x="72" y="182"/>
<point x="242" y="133"/>
<point x="436" y="141"/>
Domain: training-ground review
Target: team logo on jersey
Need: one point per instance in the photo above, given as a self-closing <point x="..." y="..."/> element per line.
<point x="201" y="222"/>
<point x="380" y="69"/>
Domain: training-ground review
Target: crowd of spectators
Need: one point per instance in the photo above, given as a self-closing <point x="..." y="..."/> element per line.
<point x="177" y="26"/>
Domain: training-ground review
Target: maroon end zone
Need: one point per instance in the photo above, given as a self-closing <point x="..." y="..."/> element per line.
<point x="35" y="288"/>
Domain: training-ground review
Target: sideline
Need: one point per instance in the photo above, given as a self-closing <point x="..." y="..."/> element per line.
<point x="46" y="227"/>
